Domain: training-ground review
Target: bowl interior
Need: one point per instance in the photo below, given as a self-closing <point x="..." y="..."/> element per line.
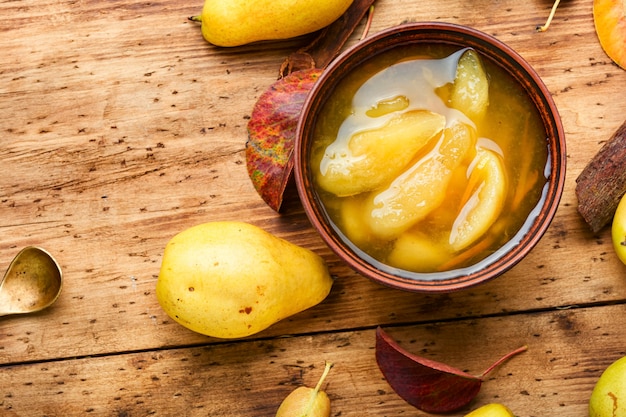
<point x="490" y="49"/>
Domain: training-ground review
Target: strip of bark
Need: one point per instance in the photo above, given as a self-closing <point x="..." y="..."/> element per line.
<point x="327" y="45"/>
<point x="602" y="183"/>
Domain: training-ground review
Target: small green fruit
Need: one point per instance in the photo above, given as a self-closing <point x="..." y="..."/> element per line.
<point x="618" y="230"/>
<point x="307" y="402"/>
<point x="608" y="398"/>
<point x="491" y="410"/>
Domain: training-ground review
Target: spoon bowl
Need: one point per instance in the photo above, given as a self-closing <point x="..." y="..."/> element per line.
<point x="32" y="282"/>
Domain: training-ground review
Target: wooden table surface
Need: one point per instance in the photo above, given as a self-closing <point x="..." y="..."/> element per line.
<point x="120" y="127"/>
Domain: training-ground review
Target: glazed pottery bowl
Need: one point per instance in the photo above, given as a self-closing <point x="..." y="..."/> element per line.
<point x="496" y="55"/>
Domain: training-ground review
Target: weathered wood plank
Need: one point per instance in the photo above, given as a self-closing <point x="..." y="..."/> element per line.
<point x="567" y="351"/>
<point x="120" y="127"/>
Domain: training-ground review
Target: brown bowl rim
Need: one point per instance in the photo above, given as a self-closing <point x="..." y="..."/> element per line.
<point x="502" y="55"/>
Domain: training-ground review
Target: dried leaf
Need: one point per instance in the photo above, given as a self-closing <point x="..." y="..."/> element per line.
<point x="429" y="385"/>
<point x="609" y="17"/>
<point x="323" y="49"/>
<point x="272" y="132"/>
<point x="272" y="127"/>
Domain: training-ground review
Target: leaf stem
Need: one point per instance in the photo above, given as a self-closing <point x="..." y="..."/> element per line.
<point x="503" y="359"/>
<point x="552" y="12"/>
<point x="368" y="24"/>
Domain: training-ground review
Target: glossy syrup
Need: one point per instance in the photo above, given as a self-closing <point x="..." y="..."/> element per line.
<point x="421" y="78"/>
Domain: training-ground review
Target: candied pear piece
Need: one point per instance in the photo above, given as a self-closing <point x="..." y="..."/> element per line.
<point x="353" y="222"/>
<point x="373" y="157"/>
<point x="483" y="200"/>
<point x="470" y="91"/>
<point x="383" y="107"/>
<point x="421" y="188"/>
<point x="414" y="251"/>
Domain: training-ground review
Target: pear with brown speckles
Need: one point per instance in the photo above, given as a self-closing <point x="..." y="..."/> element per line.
<point x="233" y="279"/>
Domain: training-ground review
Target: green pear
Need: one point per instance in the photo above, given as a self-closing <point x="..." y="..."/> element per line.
<point x="470" y="92"/>
<point x="233" y="279"/>
<point x="307" y="402"/>
<point x="491" y="410"/>
<point x="608" y="398"/>
<point x="240" y="22"/>
<point x="618" y="230"/>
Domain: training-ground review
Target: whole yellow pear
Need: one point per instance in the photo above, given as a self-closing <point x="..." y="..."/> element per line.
<point x="233" y="279"/>
<point x="608" y="398"/>
<point x="618" y="230"/>
<point x="491" y="410"/>
<point x="239" y="22"/>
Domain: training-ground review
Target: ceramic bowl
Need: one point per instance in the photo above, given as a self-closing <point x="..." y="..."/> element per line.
<point x="490" y="49"/>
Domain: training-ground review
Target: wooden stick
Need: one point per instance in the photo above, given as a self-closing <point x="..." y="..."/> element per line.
<point x="602" y="183"/>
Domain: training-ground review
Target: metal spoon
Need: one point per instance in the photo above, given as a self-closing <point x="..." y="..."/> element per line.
<point x="32" y="282"/>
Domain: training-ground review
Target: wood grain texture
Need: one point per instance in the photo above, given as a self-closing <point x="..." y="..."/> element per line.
<point x="567" y="351"/>
<point x="120" y="127"/>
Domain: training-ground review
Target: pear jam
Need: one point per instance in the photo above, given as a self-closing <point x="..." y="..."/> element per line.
<point x="430" y="159"/>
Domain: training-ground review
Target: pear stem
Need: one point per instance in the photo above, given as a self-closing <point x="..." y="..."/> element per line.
<point x="327" y="366"/>
<point x="552" y="12"/>
<point x="195" y="18"/>
<point x="503" y="359"/>
<point x="316" y="390"/>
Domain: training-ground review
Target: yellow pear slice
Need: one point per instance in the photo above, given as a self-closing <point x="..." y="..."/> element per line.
<point x="375" y="156"/>
<point x="422" y="187"/>
<point x="483" y="201"/>
<point x="470" y="92"/>
<point x="352" y="220"/>
<point x="414" y="251"/>
<point x="390" y="105"/>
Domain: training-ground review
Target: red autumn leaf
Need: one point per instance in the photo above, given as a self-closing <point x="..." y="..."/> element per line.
<point x="429" y="385"/>
<point x="272" y="127"/>
<point x="272" y="133"/>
